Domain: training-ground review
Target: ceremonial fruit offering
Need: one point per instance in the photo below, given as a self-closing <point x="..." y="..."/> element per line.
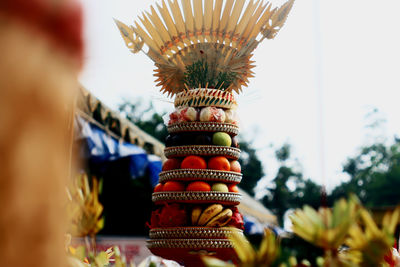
<point x="159" y="187"/>
<point x="221" y="219"/>
<point x="230" y="116"/>
<point x="219" y="163"/>
<point x="235" y="166"/>
<point x="168" y="140"/>
<point x="188" y="114"/>
<point x="209" y="213"/>
<point x="175" y="140"/>
<point x="221" y="139"/>
<point x="171" y="164"/>
<point x="236" y="219"/>
<point x="194" y="162"/>
<point x="202" y="52"/>
<point x="196" y="212"/>
<point x="172" y="215"/>
<point x="235" y="143"/>
<point x="203" y="139"/>
<point x="198" y="186"/>
<point x="221" y="187"/>
<point x="233" y="188"/>
<point x="173" y="186"/>
<point x="212" y="114"/>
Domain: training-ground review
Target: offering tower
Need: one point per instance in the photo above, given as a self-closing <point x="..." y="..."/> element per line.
<point x="202" y="52"/>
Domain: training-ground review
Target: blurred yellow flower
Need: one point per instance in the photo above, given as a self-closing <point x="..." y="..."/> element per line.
<point x="84" y="208"/>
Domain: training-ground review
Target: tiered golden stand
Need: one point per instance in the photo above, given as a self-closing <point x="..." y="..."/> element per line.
<point x="186" y="244"/>
<point x="222" y="35"/>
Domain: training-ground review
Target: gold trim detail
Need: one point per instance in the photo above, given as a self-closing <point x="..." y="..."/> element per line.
<point x="227" y="198"/>
<point x="228" y="128"/>
<point x="193" y="232"/>
<point x="205" y="175"/>
<point x="190" y="243"/>
<point x="203" y="97"/>
<point x="183" y="151"/>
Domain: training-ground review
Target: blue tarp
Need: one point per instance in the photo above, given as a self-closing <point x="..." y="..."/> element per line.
<point x="100" y="148"/>
<point x="252" y="226"/>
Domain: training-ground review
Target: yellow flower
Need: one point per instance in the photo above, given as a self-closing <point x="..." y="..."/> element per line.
<point x="84" y="208"/>
<point x="368" y="244"/>
<point x="326" y="228"/>
<point x="248" y="257"/>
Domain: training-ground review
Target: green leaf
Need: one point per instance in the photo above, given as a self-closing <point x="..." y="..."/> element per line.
<point x="200" y="74"/>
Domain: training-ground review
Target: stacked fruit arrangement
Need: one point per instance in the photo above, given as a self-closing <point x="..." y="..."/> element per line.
<point x="197" y="195"/>
<point x="201" y="44"/>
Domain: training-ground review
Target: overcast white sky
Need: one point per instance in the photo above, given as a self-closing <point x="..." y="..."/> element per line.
<point x="334" y="59"/>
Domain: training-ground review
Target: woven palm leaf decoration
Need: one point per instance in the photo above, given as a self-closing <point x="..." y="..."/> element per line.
<point x="214" y="37"/>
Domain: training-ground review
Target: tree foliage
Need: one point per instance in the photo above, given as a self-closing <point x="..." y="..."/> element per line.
<point x="252" y="169"/>
<point x="375" y="170"/>
<point x="145" y="117"/>
<point x="374" y="175"/>
<point x="289" y="189"/>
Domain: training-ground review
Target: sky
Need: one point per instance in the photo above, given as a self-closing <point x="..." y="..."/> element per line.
<point x="329" y="66"/>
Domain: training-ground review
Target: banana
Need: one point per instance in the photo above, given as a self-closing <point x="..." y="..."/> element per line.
<point x="209" y="213"/>
<point x="221" y="219"/>
<point x="196" y="212"/>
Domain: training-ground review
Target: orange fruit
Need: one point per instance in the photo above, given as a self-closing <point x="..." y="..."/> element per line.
<point x="219" y="163"/>
<point x="158" y="188"/>
<point x="233" y="188"/>
<point x="173" y="186"/>
<point x="193" y="162"/>
<point x="235" y="166"/>
<point x="171" y="164"/>
<point x="198" y="186"/>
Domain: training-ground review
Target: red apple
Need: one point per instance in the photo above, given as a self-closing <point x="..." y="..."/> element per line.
<point x="171" y="164"/>
<point x="235" y="166"/>
<point x="158" y="188"/>
<point x="233" y="188"/>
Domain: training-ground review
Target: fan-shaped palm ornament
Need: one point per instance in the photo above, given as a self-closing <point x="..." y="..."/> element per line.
<point x="204" y="43"/>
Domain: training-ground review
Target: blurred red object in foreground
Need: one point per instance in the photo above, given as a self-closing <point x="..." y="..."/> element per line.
<point x="59" y="21"/>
